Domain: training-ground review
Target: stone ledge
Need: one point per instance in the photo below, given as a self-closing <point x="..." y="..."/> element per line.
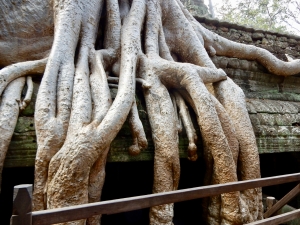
<point x="222" y="23"/>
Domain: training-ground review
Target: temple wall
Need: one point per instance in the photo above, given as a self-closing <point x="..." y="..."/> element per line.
<point x="273" y="102"/>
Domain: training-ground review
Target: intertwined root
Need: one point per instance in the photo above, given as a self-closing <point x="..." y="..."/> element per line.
<point x="159" y="44"/>
<point x="9" y="112"/>
<point x="189" y="127"/>
<point x="11" y="85"/>
<point x="54" y="99"/>
<point x="73" y="172"/>
<point x="138" y="134"/>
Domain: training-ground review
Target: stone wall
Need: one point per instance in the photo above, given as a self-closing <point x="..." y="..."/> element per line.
<point x="277" y="43"/>
<point x="273" y="102"/>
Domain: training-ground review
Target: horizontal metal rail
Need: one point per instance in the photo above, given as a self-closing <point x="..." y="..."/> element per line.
<point x="83" y="211"/>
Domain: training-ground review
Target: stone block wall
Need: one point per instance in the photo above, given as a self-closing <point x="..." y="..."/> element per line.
<point x="273" y="102"/>
<point x="277" y="43"/>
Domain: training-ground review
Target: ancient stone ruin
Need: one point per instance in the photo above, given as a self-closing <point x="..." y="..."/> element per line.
<point x="155" y="68"/>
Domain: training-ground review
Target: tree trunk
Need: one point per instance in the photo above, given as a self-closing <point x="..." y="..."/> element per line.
<point x="159" y="44"/>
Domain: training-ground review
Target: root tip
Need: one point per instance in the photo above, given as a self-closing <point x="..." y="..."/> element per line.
<point x="211" y="51"/>
<point x="145" y="85"/>
<point x="193" y="158"/>
<point x="134" y="150"/>
<point x="192" y="152"/>
<point x="143" y="144"/>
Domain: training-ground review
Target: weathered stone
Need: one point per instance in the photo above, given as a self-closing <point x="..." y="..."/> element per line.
<point x="255" y="84"/>
<point x="261" y="106"/>
<point x="250" y="107"/>
<point x="282" y="44"/>
<point x="282" y="39"/>
<point x="24" y="124"/>
<point x="216" y="61"/>
<point x="292" y="42"/>
<point x="270" y="131"/>
<point x="264" y="41"/>
<point x="285" y="107"/>
<point x="224" y="29"/>
<point x="269" y="47"/>
<point x="234" y="34"/>
<point x="233" y="63"/>
<point x="296" y="131"/>
<point x="254" y="119"/>
<point x="23" y="146"/>
<point x="22" y="150"/>
<point x="266" y="119"/>
<point x="254" y="66"/>
<point x="291" y="84"/>
<point x="283" y="131"/>
<point x="257" y="36"/>
<point x="271" y="37"/>
<point x="296" y="104"/>
<point x="290" y="52"/>
<point x="246" y="37"/>
<point x="245" y="64"/>
<point x="281" y="120"/>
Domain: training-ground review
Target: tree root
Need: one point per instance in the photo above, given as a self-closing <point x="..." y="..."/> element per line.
<point x="160" y="45"/>
<point x="55" y="94"/>
<point x="138" y="134"/>
<point x="93" y="123"/>
<point x="23" y="104"/>
<point x="179" y="123"/>
<point x="248" y="154"/>
<point x="9" y="112"/>
<point x="165" y="136"/>
<point x="190" y="130"/>
<point x="137" y="130"/>
<point x="14" y="71"/>
<point x="11" y="85"/>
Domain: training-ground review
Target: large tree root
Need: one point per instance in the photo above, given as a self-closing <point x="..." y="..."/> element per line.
<point x="55" y="94"/>
<point x="75" y="175"/>
<point x="14" y="71"/>
<point x="164" y="132"/>
<point x="159" y="44"/>
<point x="160" y="74"/>
<point x="248" y="155"/>
<point x="12" y="82"/>
<point x="9" y="112"/>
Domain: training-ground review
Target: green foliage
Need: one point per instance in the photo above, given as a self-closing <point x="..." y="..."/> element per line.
<point x="272" y="15"/>
<point x="196" y="7"/>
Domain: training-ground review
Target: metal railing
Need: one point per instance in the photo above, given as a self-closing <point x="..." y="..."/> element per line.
<point x="22" y="211"/>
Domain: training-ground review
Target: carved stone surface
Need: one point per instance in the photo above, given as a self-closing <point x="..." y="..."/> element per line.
<point x="272" y="102"/>
<point x="161" y="46"/>
<point x="275" y="121"/>
<point x="22" y="149"/>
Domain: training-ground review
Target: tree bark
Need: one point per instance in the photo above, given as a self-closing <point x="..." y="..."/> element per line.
<point x="159" y="44"/>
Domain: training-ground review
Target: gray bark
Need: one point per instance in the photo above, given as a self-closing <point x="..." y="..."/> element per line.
<point x="157" y="43"/>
